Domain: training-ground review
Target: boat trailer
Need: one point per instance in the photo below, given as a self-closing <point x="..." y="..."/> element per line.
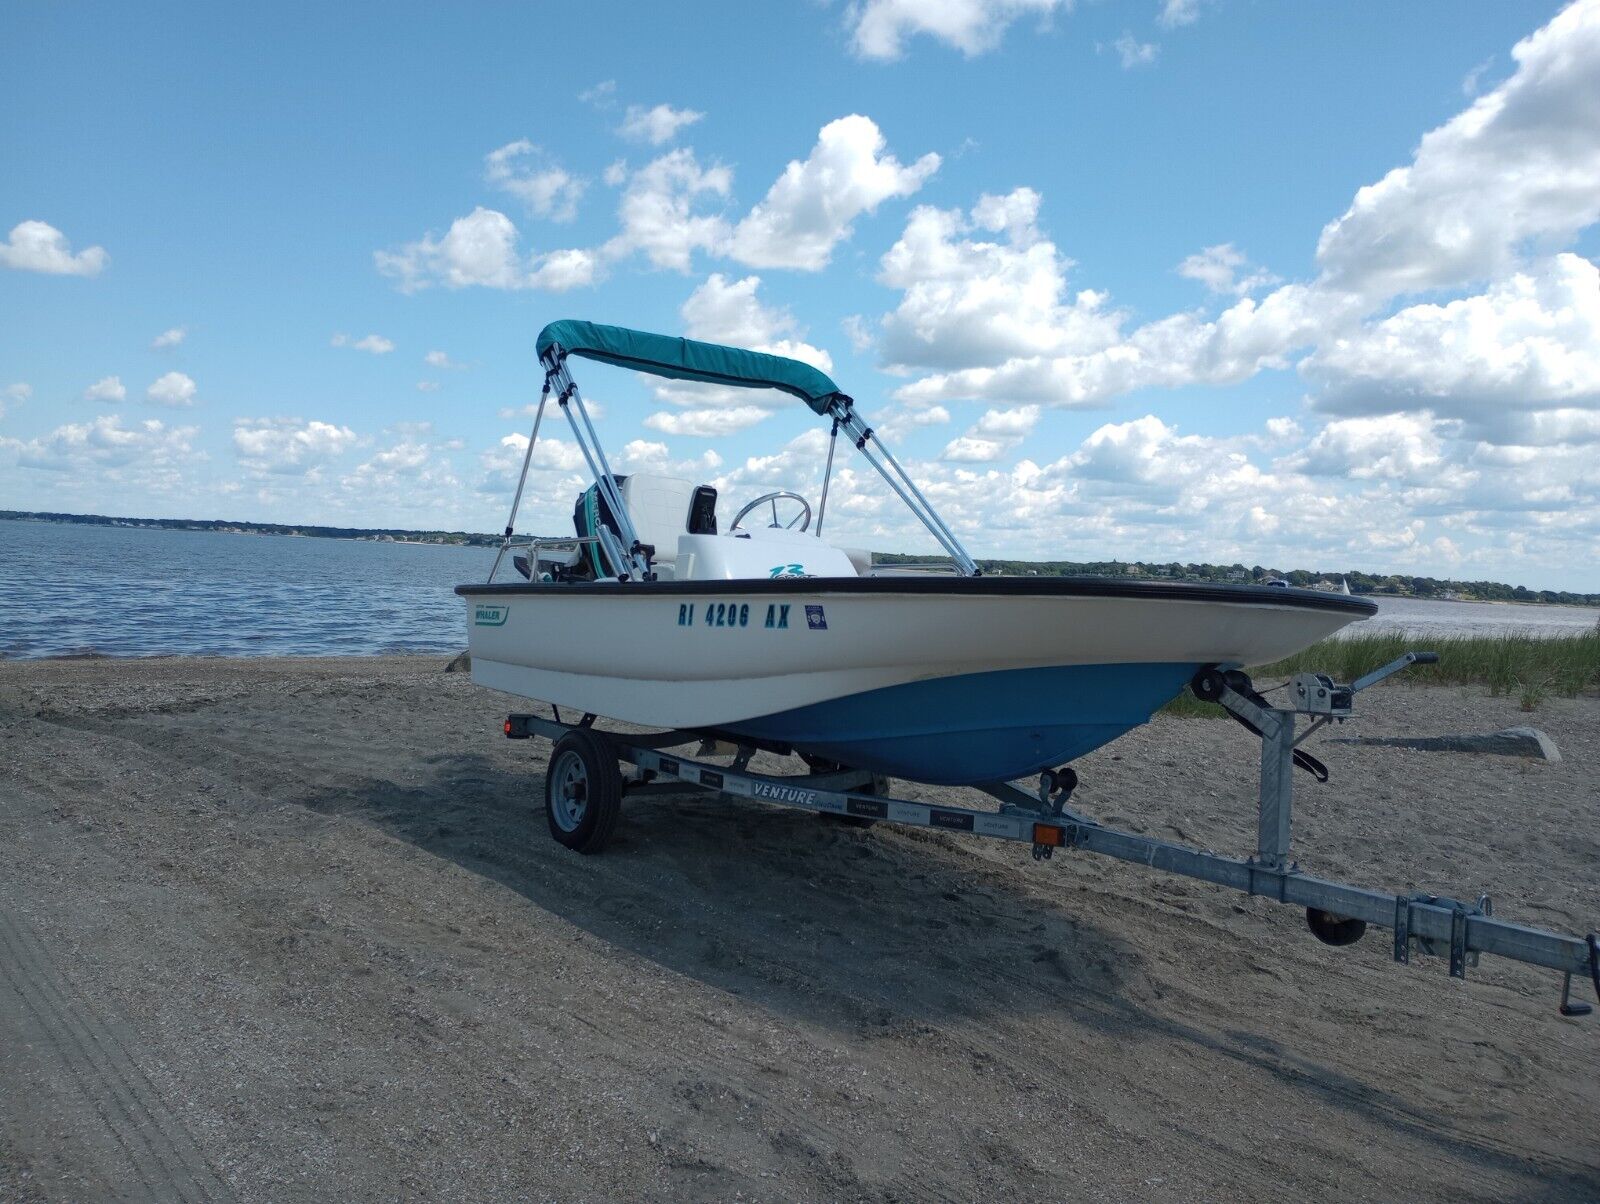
<point x="585" y="789"/>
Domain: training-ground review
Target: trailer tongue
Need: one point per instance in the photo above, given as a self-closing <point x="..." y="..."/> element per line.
<point x="585" y="789"/>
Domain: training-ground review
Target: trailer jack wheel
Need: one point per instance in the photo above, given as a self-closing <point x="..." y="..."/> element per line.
<point x="583" y="791"/>
<point x="1334" y="930"/>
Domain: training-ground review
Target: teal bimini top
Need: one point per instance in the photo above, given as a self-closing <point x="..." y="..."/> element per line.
<point x="685" y="359"/>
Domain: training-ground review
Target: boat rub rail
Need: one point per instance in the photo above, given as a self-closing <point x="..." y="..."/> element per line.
<point x="1063" y="587"/>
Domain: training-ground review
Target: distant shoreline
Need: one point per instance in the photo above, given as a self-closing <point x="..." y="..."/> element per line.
<point x="1394" y="585"/>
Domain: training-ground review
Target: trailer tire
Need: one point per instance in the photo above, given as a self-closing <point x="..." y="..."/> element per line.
<point x="1334" y="930"/>
<point x="583" y="791"/>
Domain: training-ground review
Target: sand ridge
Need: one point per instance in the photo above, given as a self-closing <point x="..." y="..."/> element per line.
<point x="294" y="929"/>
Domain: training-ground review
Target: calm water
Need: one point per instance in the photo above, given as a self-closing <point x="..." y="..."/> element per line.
<point x="1421" y="617"/>
<point x="122" y="591"/>
<point x="129" y="592"/>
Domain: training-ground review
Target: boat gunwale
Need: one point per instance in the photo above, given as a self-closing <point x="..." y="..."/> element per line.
<point x="960" y="587"/>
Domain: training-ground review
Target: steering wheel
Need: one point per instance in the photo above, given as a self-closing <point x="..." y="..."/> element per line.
<point x="803" y="518"/>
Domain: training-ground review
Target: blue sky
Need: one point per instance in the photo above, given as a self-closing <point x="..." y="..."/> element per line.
<point x="1105" y="272"/>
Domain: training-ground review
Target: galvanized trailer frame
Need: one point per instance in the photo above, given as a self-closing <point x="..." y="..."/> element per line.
<point x="1338" y="913"/>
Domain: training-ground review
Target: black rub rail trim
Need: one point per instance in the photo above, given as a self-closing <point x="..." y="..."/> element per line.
<point x="956" y="587"/>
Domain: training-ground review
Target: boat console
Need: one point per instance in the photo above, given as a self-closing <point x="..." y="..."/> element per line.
<point x="675" y="522"/>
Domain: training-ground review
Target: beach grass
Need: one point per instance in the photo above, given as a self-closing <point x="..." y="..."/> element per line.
<point x="1527" y="667"/>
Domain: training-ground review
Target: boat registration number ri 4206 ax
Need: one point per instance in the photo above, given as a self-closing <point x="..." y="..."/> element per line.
<point x="773" y="616"/>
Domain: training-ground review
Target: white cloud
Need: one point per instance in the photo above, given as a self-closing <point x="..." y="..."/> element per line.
<point x="439" y="359"/>
<point x="411" y="475"/>
<point x="40" y="247"/>
<point x="973" y="449"/>
<point x="172" y="389"/>
<point x="723" y="311"/>
<point x="14" y="393"/>
<point x="151" y="447"/>
<point x="1551" y="428"/>
<point x="107" y="388"/>
<point x="657" y="125"/>
<point x="1134" y="53"/>
<point x="658" y="211"/>
<point x="168" y="339"/>
<point x="879" y="28"/>
<point x="373" y="344"/>
<point x="1009" y="424"/>
<point x="599" y="94"/>
<point x="859" y="332"/>
<point x="730" y="312"/>
<point x="1178" y="12"/>
<point x="427" y="386"/>
<point x="972" y="301"/>
<point x="481" y="249"/>
<point x="549" y="452"/>
<point x="994" y="435"/>
<point x="1474" y="78"/>
<point x="557" y="476"/>
<point x="992" y="318"/>
<point x="1182" y="349"/>
<point x="288" y="445"/>
<point x="1521" y="163"/>
<point x="1225" y="269"/>
<point x="642" y="455"/>
<point x="1399" y="447"/>
<point x="403" y="459"/>
<point x="989" y="317"/>
<point x="1530" y="342"/>
<point x="546" y="188"/>
<point x="707" y="423"/>
<point x="810" y="208"/>
<point x="562" y="271"/>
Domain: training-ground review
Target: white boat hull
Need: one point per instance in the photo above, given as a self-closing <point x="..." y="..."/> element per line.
<point x="783" y="661"/>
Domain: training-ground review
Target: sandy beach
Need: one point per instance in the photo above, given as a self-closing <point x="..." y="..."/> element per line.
<point x="295" y="930"/>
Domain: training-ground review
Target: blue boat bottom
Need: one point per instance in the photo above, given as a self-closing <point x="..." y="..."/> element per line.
<point x="978" y="727"/>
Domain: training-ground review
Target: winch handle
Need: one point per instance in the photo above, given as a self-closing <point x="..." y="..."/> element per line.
<point x="1394" y="666"/>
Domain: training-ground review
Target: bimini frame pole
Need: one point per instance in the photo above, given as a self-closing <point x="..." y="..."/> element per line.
<point x="827" y="477"/>
<point x="629" y="557"/>
<point x="900" y="481"/>
<point x="527" y="459"/>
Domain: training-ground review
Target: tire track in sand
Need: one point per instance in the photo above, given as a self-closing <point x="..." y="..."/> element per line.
<point x="42" y="1011"/>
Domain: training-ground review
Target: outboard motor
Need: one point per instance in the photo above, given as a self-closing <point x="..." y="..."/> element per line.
<point x="588" y="512"/>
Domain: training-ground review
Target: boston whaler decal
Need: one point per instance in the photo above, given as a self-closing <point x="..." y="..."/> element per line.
<point x="485" y="615"/>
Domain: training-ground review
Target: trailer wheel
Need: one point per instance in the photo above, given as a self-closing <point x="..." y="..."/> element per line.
<point x="1334" y="930"/>
<point x="583" y="791"/>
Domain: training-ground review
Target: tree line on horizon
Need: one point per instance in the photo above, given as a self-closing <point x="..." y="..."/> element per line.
<point x="1391" y="584"/>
